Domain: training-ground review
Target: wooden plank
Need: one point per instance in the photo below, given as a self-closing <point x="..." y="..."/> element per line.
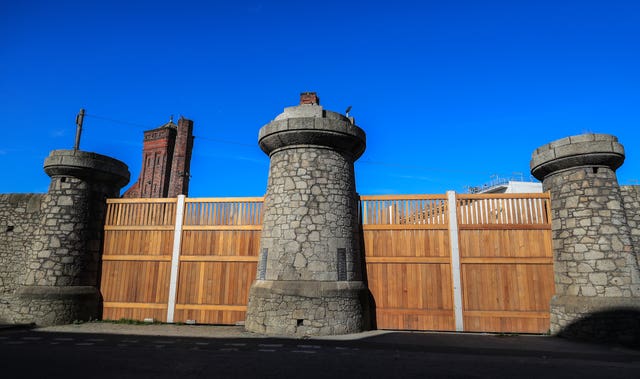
<point x="399" y="260"/>
<point x="406" y="243"/>
<point x="222" y="227"/>
<point x="414" y="321"/>
<point x="544" y="195"/>
<point x="141" y="200"/>
<point x="213" y="307"/>
<point x="134" y="281"/>
<point x="138" y="227"/>
<point x="504" y="226"/>
<point x="418" y="311"/>
<point x="218" y="258"/>
<point x="520" y="314"/>
<point x="136" y="242"/>
<point x="221" y="242"/>
<point x="134" y="305"/>
<point x="505" y="243"/>
<point x="488" y="287"/>
<point x="147" y="258"/>
<point x="506" y="260"/>
<point x="507" y="324"/>
<point x="134" y="314"/>
<point x="404" y="226"/>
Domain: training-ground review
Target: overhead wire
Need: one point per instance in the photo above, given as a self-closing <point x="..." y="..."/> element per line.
<point x="229" y="142"/>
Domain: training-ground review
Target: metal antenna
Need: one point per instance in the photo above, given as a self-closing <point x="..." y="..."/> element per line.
<point x="79" y="121"/>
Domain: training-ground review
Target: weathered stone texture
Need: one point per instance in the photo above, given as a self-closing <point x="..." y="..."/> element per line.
<point x="594" y="230"/>
<point x="66" y="248"/>
<point x="19" y="222"/>
<point x="631" y="202"/>
<point x="311" y="280"/>
<point x="293" y="308"/>
<point x="313" y="212"/>
<point x="591" y="237"/>
<point x="60" y="264"/>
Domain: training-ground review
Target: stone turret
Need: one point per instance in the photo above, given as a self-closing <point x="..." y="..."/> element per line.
<point x="597" y="279"/>
<point x="309" y="279"/>
<point x="63" y="266"/>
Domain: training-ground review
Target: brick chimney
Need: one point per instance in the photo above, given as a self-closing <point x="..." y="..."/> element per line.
<point x="179" y="182"/>
<point x="309" y="98"/>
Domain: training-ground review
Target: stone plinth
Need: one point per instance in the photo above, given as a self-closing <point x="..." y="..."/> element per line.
<point x="596" y="271"/>
<point x="309" y="279"/>
<point x="63" y="267"/>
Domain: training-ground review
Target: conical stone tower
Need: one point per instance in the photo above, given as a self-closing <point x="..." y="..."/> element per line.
<point x="309" y="279"/>
<point x="597" y="278"/>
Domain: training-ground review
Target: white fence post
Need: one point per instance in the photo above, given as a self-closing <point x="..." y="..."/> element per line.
<point x="455" y="261"/>
<point x="175" y="258"/>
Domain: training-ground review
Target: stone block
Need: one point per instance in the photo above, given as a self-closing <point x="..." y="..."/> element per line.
<point x="598" y="278"/>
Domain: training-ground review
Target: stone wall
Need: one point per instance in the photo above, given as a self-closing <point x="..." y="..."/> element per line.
<point x="19" y="222"/>
<point x="591" y="236"/>
<point x="66" y="247"/>
<point x="631" y="200"/>
<point x="318" y="186"/>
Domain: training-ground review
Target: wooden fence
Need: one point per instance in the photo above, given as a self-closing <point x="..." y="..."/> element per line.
<point x="484" y="264"/>
<point x="199" y="268"/>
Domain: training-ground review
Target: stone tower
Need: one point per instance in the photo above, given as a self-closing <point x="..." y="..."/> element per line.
<point x="63" y="266"/>
<point x="309" y="279"/>
<point x="166" y="160"/>
<point x="596" y="270"/>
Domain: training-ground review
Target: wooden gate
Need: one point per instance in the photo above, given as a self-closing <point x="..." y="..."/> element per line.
<point x="136" y="259"/>
<point x="179" y="260"/>
<point x="484" y="266"/>
<point x="434" y="262"/>
<point x="406" y="243"/>
<point x="506" y="262"/>
<point x="218" y="259"/>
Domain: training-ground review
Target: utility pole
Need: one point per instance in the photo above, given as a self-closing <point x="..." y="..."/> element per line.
<point x="79" y="120"/>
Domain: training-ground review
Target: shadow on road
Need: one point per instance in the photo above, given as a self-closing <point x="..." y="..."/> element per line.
<point x="618" y="326"/>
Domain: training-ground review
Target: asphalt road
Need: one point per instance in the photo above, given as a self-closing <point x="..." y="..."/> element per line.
<point x="37" y="354"/>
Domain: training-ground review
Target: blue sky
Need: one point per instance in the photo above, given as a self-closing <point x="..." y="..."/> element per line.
<point x="449" y="92"/>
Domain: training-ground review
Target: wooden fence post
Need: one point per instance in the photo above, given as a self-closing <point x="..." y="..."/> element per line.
<point x="175" y="258"/>
<point x="455" y="261"/>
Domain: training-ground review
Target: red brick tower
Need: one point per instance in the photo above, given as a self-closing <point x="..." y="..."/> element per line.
<point x="166" y="158"/>
<point x="179" y="182"/>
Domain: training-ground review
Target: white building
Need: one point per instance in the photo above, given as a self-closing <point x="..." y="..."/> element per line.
<point x="500" y="185"/>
